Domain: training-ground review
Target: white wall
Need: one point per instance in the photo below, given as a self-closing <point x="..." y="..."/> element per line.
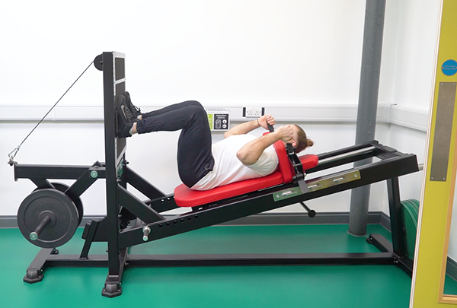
<point x="407" y="77"/>
<point x="284" y="54"/>
<point x="223" y="53"/>
<point x="415" y="57"/>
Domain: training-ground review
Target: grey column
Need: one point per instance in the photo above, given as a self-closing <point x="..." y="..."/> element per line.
<point x="368" y="103"/>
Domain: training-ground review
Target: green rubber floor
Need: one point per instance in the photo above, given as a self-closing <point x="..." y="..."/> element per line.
<point x="220" y="287"/>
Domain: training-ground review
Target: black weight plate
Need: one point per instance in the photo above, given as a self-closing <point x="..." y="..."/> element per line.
<point x="79" y="205"/>
<point x="77" y="201"/>
<point x="63" y="227"/>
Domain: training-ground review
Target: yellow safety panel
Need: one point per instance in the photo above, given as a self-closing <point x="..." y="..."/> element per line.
<point x="439" y="182"/>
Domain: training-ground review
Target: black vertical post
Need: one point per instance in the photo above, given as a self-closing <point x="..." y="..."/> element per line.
<point x="110" y="159"/>
<point x="113" y="83"/>
<point x="398" y="239"/>
<point x="368" y="104"/>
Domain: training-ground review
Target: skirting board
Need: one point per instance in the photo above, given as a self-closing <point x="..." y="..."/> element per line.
<point x="451" y="268"/>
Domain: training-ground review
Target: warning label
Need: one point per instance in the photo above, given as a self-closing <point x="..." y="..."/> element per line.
<point x="219" y="119"/>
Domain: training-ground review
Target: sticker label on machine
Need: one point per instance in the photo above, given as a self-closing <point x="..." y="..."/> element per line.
<point x="318" y="184"/>
<point x="218" y="119"/>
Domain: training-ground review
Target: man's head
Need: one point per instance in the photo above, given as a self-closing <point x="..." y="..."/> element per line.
<point x="300" y="141"/>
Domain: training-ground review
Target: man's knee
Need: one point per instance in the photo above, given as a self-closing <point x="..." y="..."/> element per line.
<point x="198" y="112"/>
<point x="194" y="103"/>
<point x="197" y="117"/>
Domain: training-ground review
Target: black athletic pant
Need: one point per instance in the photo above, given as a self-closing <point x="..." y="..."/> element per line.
<point x="195" y="159"/>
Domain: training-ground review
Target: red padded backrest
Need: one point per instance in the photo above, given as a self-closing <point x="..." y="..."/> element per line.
<point x="284" y="165"/>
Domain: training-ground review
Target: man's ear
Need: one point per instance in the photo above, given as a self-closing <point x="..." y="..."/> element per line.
<point x="294" y="144"/>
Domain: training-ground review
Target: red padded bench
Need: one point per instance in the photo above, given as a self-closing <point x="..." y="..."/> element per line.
<point x="186" y="197"/>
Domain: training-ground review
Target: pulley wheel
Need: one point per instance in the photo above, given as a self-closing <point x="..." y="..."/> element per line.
<point x="77" y="201"/>
<point x="98" y="62"/>
<point x="47" y="218"/>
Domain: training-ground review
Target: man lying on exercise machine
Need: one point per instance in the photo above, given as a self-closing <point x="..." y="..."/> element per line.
<point x="201" y="164"/>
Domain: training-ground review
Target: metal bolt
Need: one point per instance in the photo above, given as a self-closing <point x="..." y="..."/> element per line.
<point x="146" y="231"/>
<point x="33" y="236"/>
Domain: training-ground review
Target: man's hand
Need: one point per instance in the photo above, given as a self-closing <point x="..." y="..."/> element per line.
<point x="287" y="134"/>
<point x="251" y="125"/>
<point x="266" y="119"/>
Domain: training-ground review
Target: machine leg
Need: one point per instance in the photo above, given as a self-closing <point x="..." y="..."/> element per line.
<point x="35" y="270"/>
<point x="396" y="225"/>
<point x="380" y="242"/>
<point x="112" y="289"/>
<point x="113" y="282"/>
<point x="385" y="246"/>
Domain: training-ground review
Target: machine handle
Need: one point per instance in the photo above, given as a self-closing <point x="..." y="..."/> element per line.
<point x="311" y="213"/>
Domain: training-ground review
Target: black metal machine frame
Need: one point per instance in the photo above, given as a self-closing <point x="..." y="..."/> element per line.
<point x="123" y="206"/>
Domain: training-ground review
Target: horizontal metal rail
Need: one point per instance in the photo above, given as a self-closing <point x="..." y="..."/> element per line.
<point x="386" y="258"/>
<point x="346" y="155"/>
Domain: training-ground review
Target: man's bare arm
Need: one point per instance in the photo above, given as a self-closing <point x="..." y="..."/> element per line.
<point x="251" y="151"/>
<point x="246" y="127"/>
